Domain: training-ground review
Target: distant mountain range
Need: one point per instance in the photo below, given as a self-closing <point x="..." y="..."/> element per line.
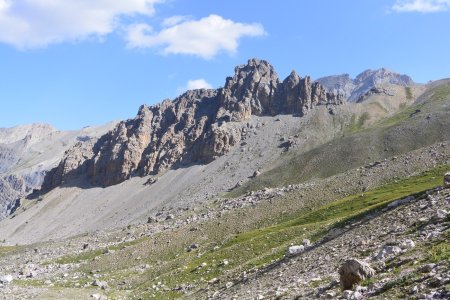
<point x="354" y="89"/>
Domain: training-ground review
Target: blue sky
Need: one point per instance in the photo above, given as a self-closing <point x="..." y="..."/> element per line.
<point x="91" y="62"/>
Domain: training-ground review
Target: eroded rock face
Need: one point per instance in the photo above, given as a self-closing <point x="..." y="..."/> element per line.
<point x="12" y="187"/>
<point x="198" y="126"/>
<point x="157" y="138"/>
<point x="74" y="164"/>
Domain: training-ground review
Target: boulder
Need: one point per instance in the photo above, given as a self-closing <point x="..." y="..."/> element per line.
<point x="447" y="180"/>
<point x="306" y="242"/>
<point x="439" y="216"/>
<point x="294" y="250"/>
<point x="99" y="297"/>
<point x="256" y="174"/>
<point x="388" y="251"/>
<point x="6" y="279"/>
<point x="352" y="295"/>
<point x="407" y="244"/>
<point x="352" y="272"/>
<point x="101" y="284"/>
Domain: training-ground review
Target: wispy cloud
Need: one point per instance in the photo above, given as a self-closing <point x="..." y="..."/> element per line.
<point x="205" y="37"/>
<point x="38" y="23"/>
<point x="174" y="20"/>
<point x="421" y="6"/>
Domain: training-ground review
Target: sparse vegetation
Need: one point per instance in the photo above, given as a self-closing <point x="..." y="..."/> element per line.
<point x="256" y="249"/>
<point x="408" y="93"/>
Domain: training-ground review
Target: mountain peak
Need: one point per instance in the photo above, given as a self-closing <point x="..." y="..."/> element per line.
<point x="353" y="89"/>
<point x="197" y="126"/>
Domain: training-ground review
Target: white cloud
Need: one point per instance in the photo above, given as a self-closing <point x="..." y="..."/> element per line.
<point x="38" y="23"/>
<point x="205" y="37"/>
<point x="197" y="84"/>
<point x="422" y="6"/>
<point x="194" y="84"/>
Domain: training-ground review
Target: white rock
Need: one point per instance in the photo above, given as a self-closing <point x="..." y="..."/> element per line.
<point x="6" y="279"/>
<point x="101" y="284"/>
<point x="356" y="296"/>
<point x="294" y="250"/>
<point x="99" y="297"/>
<point x="441" y="214"/>
<point x="388" y="251"/>
<point x="407" y="244"/>
<point x="306" y="242"/>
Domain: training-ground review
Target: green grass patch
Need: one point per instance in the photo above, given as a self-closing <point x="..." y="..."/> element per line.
<point x="439" y="252"/>
<point x="402" y="115"/>
<point x="75" y="259"/>
<point x="89" y="255"/>
<point x="29" y="283"/>
<point x="441" y="92"/>
<point x="438" y="94"/>
<point x="357" y="122"/>
<point x="408" y="93"/>
<point x="7" y="249"/>
<point x="261" y="247"/>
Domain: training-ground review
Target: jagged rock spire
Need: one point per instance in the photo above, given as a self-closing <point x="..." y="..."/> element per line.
<point x="198" y="126"/>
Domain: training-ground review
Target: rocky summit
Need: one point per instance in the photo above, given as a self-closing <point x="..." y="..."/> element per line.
<point x="355" y="90"/>
<point x="198" y="126"/>
<point x="335" y="188"/>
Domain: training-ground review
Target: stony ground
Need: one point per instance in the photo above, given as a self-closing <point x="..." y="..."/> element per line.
<point x="415" y="262"/>
<point x="79" y="267"/>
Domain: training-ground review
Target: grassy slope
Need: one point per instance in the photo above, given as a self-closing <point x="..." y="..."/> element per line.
<point x="416" y="126"/>
<point x="244" y="251"/>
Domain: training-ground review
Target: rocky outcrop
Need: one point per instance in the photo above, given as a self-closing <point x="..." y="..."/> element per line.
<point x="198" y="126"/>
<point x="375" y="91"/>
<point x="355" y="89"/>
<point x="157" y="138"/>
<point x="12" y="187"/>
<point x="255" y="89"/>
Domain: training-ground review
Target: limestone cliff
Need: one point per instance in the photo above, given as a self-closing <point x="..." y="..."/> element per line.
<point x="198" y="126"/>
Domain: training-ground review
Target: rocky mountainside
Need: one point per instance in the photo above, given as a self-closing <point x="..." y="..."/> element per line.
<point x="198" y="126"/>
<point x="355" y="89"/>
<point x="27" y="152"/>
<point x="295" y="197"/>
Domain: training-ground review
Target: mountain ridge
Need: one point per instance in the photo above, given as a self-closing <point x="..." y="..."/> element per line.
<point x="197" y="126"/>
<point x="354" y="89"/>
<point x="27" y="152"/>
